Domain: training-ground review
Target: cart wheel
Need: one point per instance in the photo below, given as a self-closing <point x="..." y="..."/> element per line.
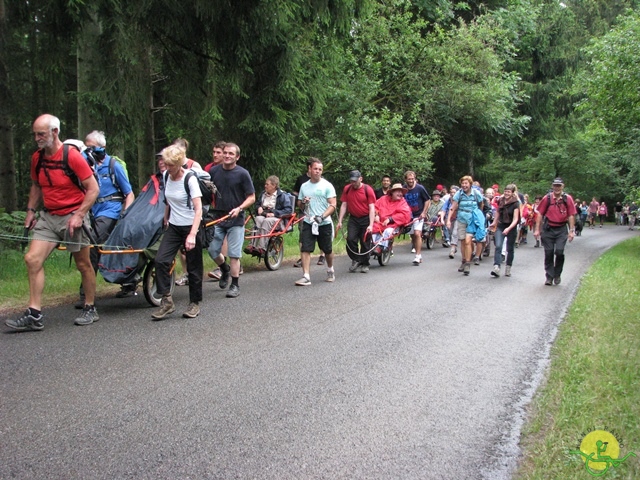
<point x="431" y="239"/>
<point x="149" y="285"/>
<point x="275" y="253"/>
<point x="383" y="258"/>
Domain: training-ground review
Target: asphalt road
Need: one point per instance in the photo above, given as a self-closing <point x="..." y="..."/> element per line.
<point x="405" y="372"/>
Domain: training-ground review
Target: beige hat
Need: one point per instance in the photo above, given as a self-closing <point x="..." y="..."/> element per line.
<point x="398" y="186"/>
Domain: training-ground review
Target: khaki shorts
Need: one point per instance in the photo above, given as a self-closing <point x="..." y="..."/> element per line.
<point x="53" y="228"/>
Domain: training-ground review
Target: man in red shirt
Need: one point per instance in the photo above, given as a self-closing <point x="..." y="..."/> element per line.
<point x="359" y="200"/>
<point x="555" y="210"/>
<point x="64" y="218"/>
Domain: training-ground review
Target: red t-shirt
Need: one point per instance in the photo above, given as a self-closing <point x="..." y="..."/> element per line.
<point x="557" y="211"/>
<point x="358" y="200"/>
<point x="60" y="195"/>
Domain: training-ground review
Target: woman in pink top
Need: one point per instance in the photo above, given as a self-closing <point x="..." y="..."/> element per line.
<point x="602" y="213"/>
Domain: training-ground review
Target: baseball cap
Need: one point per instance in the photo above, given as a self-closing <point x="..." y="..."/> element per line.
<point x="354" y="174"/>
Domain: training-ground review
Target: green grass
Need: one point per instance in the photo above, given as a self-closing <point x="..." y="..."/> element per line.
<point x="63" y="280"/>
<point x="594" y="379"/>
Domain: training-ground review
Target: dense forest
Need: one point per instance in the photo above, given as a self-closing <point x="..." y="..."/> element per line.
<point x="505" y="90"/>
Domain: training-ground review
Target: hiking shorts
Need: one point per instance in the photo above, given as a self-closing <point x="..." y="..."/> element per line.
<point x="416" y="226"/>
<point x="235" y="239"/>
<point x="324" y="238"/>
<point x="53" y="228"/>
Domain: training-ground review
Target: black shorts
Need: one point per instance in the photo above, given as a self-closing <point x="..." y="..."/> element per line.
<point x="324" y="238"/>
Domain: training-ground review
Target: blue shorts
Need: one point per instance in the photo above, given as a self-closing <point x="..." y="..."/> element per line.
<point x="235" y="239"/>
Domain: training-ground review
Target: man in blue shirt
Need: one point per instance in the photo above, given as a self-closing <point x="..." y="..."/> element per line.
<point x="419" y="200"/>
<point x="114" y="197"/>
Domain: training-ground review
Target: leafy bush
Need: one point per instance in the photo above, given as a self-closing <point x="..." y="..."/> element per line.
<point x="12" y="227"/>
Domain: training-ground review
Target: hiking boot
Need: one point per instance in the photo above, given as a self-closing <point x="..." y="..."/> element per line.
<point x="224" y="278"/>
<point x="331" y="277"/>
<point x="321" y="260"/>
<point x="557" y="280"/>
<point x="537" y="245"/>
<point x="192" y="311"/>
<point x="452" y="252"/>
<point x="461" y="267"/>
<point x="548" y="281"/>
<point x="496" y="271"/>
<point x="26" y="322"/>
<point x="476" y="261"/>
<point x="166" y="307"/>
<point x="417" y="260"/>
<point x="127" y="290"/>
<point x="364" y="268"/>
<point x="215" y="274"/>
<point x="89" y="316"/>
<point x="303" y="282"/>
<point x="354" y="266"/>
<point x="183" y="280"/>
<point x="298" y="263"/>
<point x="467" y="268"/>
<point x="507" y="271"/>
<point x="234" y="291"/>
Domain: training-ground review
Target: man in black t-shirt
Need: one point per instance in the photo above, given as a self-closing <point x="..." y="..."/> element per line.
<point x="236" y="194"/>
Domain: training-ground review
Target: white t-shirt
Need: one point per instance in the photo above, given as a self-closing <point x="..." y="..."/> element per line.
<point x="176" y="195"/>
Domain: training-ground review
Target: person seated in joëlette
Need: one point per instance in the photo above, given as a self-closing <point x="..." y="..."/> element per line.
<point x="271" y="206"/>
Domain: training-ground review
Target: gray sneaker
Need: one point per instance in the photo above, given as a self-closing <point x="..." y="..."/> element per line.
<point x="166" y="307"/>
<point x="331" y="277"/>
<point x="365" y="269"/>
<point x="26" y="322"/>
<point x="234" y="291"/>
<point x="354" y="266"/>
<point x="192" y="311"/>
<point x="224" y="278"/>
<point x="303" y="282"/>
<point x="496" y="271"/>
<point x="89" y="315"/>
<point x="507" y="271"/>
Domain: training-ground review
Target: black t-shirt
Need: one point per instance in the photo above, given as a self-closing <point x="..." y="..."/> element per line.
<point x="234" y="186"/>
<point x="301" y="179"/>
<point x="379" y="193"/>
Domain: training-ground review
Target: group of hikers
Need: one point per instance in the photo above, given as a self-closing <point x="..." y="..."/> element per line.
<point x="68" y="189"/>
<point x="598" y="211"/>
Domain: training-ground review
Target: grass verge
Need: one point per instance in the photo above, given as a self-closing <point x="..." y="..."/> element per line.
<point x="594" y="378"/>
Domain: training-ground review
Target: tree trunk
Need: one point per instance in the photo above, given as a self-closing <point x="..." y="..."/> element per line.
<point x="146" y="147"/>
<point x="90" y="67"/>
<point x="8" y="194"/>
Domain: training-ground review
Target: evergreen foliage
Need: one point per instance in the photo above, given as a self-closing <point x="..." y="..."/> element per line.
<point x="507" y="90"/>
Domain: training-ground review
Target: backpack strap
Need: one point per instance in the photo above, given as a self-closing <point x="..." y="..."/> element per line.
<point x="164" y="189"/>
<point x="187" y="176"/>
<point x="48" y="165"/>
<point x="112" y="175"/>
